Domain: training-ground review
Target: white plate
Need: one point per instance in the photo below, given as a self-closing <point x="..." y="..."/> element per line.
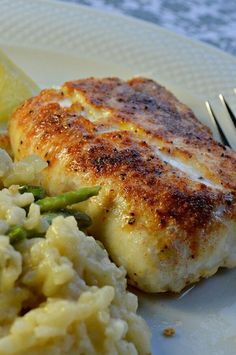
<point x="54" y="42"/>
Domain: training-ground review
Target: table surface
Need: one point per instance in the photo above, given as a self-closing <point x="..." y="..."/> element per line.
<point x="211" y="21"/>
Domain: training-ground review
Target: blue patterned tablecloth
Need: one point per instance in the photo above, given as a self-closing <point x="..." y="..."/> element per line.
<point x="212" y="21"/>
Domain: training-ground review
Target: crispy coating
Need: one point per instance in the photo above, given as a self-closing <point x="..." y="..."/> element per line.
<point x="168" y="198"/>
<point x="5" y="142"/>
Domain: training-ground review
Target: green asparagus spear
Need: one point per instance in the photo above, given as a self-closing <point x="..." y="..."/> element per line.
<point x="37" y="191"/>
<point x="49" y="216"/>
<point x="51" y="204"/>
<point x="82" y="219"/>
<point x="19" y="233"/>
<point x="68" y="198"/>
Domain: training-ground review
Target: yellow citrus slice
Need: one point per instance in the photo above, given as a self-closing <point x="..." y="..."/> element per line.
<point x="15" y="87"/>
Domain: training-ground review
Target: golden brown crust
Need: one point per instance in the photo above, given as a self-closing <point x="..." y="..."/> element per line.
<point x="144" y="116"/>
<point x="148" y="106"/>
<point x="5" y="142"/>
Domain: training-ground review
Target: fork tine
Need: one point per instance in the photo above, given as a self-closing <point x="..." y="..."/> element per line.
<point x="226" y="105"/>
<point x="217" y="125"/>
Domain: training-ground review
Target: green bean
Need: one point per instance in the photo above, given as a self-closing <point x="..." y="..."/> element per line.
<point x="59" y="202"/>
<point x="37" y="191"/>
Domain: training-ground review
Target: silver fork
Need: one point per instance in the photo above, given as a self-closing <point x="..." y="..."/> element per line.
<point x="215" y="121"/>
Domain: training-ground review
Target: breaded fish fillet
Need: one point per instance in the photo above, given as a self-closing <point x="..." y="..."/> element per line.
<point x="166" y="210"/>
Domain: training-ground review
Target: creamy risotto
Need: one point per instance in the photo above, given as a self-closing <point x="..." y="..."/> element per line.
<point x="59" y="294"/>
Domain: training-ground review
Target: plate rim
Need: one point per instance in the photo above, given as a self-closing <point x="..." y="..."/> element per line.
<point x="133" y="20"/>
<point x="151" y="25"/>
<point x="201" y="68"/>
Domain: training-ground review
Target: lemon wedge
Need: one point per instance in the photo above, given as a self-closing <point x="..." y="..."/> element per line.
<point x="15" y="87"/>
